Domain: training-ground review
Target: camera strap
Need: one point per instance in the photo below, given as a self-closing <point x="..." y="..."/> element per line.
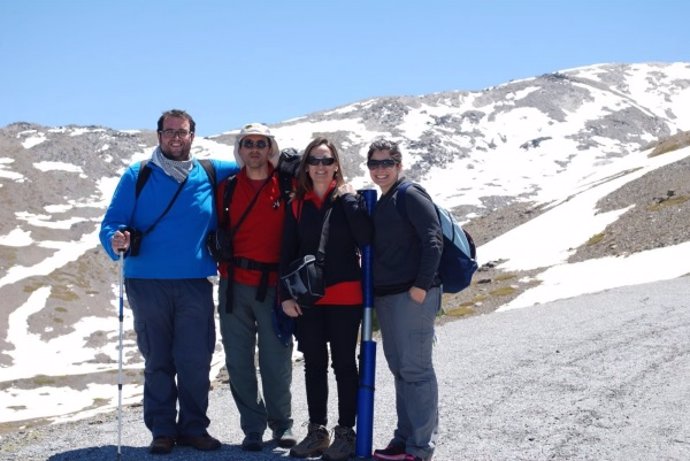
<point x="321" y="253"/>
<point x="172" y="201"/>
<point x="233" y="230"/>
<point x="325" y="227"/>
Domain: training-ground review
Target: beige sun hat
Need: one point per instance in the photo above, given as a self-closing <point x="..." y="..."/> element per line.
<point x="258" y="129"/>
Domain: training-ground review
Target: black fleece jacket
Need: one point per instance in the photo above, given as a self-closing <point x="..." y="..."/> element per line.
<point x="407" y="251"/>
<point x="350" y="229"/>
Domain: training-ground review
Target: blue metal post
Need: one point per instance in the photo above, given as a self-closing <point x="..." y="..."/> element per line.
<point x="367" y="351"/>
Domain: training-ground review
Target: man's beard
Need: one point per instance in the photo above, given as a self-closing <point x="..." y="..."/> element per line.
<point x="182" y="156"/>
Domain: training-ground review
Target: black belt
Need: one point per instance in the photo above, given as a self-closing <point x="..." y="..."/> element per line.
<point x="246" y="263"/>
<point x="250" y="264"/>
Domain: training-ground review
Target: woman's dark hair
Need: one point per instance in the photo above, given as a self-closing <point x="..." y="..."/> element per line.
<point x="385" y="144"/>
<point x="179" y="114"/>
<point x="304" y="182"/>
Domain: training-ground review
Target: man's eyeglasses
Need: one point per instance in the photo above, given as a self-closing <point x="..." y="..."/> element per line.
<point x="249" y="144"/>
<point x="175" y="133"/>
<point x="385" y="163"/>
<point x="325" y="161"/>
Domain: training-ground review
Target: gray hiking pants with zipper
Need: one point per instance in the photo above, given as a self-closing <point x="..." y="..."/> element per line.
<point x="250" y="324"/>
<point x="407" y="330"/>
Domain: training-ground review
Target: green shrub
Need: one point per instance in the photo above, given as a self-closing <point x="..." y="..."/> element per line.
<point x="43" y="380"/>
<point x="460" y="311"/>
<point x="503" y="291"/>
<point x="596" y="238"/>
<point x="671" y="201"/>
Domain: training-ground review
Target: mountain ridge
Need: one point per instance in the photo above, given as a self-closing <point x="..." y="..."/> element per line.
<point x="499" y="158"/>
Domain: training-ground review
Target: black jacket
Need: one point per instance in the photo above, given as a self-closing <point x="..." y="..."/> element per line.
<point x="407" y="252"/>
<point x="350" y="229"/>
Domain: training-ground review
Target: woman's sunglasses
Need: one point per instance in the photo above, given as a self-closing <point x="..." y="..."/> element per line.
<point x="385" y="163"/>
<point x="325" y="161"/>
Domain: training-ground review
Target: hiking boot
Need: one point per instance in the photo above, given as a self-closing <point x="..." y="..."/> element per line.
<point x="343" y="446"/>
<point x="393" y="452"/>
<point x="314" y="444"/>
<point x="202" y="442"/>
<point x="252" y="442"/>
<point x="284" y="438"/>
<point x="161" y="445"/>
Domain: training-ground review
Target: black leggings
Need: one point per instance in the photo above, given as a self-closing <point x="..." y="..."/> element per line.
<point x="338" y="325"/>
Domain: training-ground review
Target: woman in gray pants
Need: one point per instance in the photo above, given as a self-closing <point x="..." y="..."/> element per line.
<point x="407" y="249"/>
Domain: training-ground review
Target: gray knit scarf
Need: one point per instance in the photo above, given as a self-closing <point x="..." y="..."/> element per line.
<point x="176" y="169"/>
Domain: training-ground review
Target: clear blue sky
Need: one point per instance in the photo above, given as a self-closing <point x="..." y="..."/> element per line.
<point x="119" y="64"/>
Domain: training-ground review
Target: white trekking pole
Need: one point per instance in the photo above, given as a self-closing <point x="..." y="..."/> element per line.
<point x="119" y="361"/>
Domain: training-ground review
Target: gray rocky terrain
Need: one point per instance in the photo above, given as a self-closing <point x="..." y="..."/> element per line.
<point x="598" y="377"/>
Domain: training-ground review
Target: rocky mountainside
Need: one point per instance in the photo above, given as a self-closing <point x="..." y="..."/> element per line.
<point x="499" y="158"/>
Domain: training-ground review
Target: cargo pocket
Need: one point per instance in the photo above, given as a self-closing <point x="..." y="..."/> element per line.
<point x="142" y="338"/>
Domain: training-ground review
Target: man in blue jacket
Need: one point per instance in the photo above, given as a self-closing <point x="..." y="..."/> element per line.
<point x="161" y="231"/>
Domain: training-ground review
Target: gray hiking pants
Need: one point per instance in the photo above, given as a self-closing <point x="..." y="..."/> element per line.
<point x="249" y="320"/>
<point x="407" y="330"/>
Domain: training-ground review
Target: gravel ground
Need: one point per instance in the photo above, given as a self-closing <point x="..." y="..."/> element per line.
<point x="598" y="377"/>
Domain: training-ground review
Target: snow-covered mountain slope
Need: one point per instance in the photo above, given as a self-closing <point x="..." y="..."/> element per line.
<point x="552" y="175"/>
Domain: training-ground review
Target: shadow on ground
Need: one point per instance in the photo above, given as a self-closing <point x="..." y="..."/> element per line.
<point x="129" y="453"/>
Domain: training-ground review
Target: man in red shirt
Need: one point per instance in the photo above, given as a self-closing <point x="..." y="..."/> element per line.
<point x="247" y="293"/>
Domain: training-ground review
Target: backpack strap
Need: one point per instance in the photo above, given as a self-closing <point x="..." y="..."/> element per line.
<point x="142" y="177"/>
<point x="210" y="171"/>
<point x="230" y="184"/>
<point x="296" y="208"/>
<point x="400" y="198"/>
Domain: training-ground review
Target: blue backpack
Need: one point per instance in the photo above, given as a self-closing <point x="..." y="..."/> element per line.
<point x="458" y="260"/>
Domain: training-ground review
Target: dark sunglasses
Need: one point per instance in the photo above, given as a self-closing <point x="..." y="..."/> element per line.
<point x="325" y="161"/>
<point x="385" y="163"/>
<point x="249" y="144"/>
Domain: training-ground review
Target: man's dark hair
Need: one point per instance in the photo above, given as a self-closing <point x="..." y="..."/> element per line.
<point x="179" y="114"/>
<point x="385" y="144"/>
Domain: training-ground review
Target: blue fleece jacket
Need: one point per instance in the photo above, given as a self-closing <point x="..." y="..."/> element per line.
<point x="176" y="248"/>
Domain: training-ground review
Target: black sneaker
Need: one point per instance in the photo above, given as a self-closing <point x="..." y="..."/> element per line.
<point x="285" y="438"/>
<point x="252" y="442"/>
